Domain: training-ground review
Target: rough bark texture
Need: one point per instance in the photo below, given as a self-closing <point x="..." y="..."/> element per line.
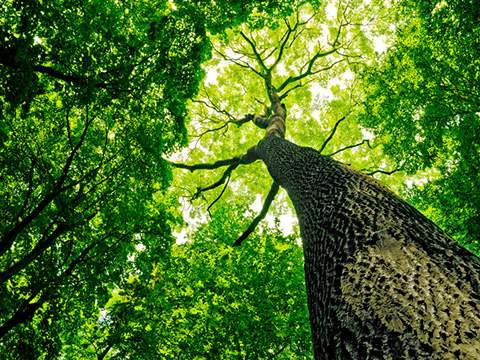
<point x="383" y="281"/>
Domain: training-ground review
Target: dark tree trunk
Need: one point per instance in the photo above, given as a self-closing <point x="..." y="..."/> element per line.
<point x="383" y="281"/>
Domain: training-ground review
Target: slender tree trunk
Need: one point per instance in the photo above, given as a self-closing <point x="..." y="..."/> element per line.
<point x="383" y="281"/>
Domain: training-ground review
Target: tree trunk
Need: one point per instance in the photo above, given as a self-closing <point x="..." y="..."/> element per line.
<point x="383" y="281"/>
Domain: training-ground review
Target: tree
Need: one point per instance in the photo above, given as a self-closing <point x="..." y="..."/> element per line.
<point x="422" y="99"/>
<point x="83" y="137"/>
<point x="382" y="280"/>
<point x="81" y="154"/>
<point x="92" y="95"/>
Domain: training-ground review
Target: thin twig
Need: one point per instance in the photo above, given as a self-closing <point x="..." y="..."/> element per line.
<point x="380" y="171"/>
<point x="219" y="196"/>
<point x="351" y="147"/>
<point x="238" y="62"/>
<point x="325" y="143"/>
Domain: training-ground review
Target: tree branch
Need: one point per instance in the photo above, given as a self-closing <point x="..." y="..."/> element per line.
<point x="380" y="171"/>
<point x="56" y="74"/>
<point x="261" y="122"/>
<point x="9" y="237"/>
<point x="309" y="71"/>
<point x="285" y="94"/>
<point x="232" y="164"/>
<point x="226" y="174"/>
<point x="351" y="147"/>
<point x="43" y="244"/>
<point x="237" y="160"/>
<point x="226" y="124"/>
<point x="214" y="107"/>
<point x="23" y="314"/>
<point x="325" y="143"/>
<point x="285" y="38"/>
<point x="266" y="205"/>
<point x="255" y="52"/>
<point x="242" y="64"/>
<point x="219" y="196"/>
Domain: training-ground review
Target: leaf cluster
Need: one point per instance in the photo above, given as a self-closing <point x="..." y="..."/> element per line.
<point x="211" y="301"/>
<point x="422" y="100"/>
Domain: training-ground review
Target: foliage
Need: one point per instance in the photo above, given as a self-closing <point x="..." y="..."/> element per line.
<point x="422" y="100"/>
<point x="223" y="14"/>
<point x="210" y="301"/>
<point x="94" y="93"/>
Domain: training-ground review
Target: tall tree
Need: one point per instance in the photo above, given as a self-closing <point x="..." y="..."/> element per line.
<point x="382" y="280"/>
<point x="89" y="110"/>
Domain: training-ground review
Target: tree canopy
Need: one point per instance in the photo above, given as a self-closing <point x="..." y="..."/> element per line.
<point x="95" y="96"/>
<point x="92" y="95"/>
<point x="209" y="300"/>
<point x="422" y="99"/>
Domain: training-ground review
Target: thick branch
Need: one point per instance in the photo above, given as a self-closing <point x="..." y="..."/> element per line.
<point x="232" y="164"/>
<point x="261" y="122"/>
<point x="23" y="314"/>
<point x="104" y="353"/>
<point x="43" y="244"/>
<point x="266" y="205"/>
<point x="56" y="74"/>
<point x="244" y="159"/>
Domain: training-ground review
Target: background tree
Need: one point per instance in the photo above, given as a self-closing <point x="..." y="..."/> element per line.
<point x="83" y="128"/>
<point x="210" y="300"/>
<point x="92" y="95"/>
<point x="422" y="100"/>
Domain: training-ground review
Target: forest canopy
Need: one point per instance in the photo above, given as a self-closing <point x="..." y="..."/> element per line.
<point x="115" y="115"/>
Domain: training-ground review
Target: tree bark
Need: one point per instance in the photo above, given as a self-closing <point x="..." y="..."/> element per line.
<point x="383" y="281"/>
